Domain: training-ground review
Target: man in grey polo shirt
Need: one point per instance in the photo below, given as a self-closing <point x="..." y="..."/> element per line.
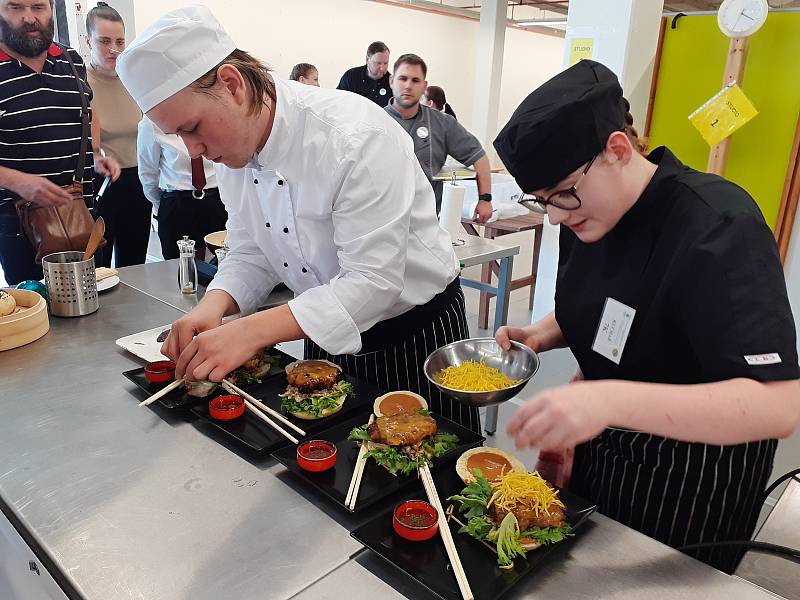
<point x="435" y="133"/>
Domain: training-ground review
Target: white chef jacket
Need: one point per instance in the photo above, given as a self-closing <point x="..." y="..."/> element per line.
<point x="337" y="207"/>
<point x="164" y="163"/>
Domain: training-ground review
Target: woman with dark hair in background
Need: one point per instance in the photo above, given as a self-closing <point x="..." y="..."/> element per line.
<point x="434" y="98"/>
<point x="124" y="206"/>
<point x="305" y="73"/>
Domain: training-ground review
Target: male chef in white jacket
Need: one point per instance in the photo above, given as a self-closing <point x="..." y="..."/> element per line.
<point x="323" y="193"/>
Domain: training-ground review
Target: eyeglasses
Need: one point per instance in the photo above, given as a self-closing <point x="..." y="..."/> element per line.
<point x="564" y="199"/>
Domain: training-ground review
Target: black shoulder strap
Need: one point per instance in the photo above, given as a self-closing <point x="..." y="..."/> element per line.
<point x="84" y="117"/>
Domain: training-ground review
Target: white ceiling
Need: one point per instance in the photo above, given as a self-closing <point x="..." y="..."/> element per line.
<point x="522" y="11"/>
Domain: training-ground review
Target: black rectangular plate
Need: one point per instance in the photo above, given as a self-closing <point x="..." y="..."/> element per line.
<point x="257" y="435"/>
<point x="377" y="483"/>
<point x="178" y="398"/>
<point x="427" y="562"/>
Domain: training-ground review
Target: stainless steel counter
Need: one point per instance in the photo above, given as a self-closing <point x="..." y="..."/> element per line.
<point x="138" y="503"/>
<point x="781" y="527"/>
<point x="160" y="280"/>
<point x="608" y="561"/>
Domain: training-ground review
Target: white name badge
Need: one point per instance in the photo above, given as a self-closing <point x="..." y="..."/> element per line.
<point x="613" y="330"/>
<point x="773" y="358"/>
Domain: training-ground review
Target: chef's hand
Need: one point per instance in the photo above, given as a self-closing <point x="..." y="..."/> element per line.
<point x="203" y="317"/>
<point x="39" y="190"/>
<point x="107" y="165"/>
<point x="483" y="211"/>
<point x="563" y="417"/>
<point x="525" y="335"/>
<point x="214" y="353"/>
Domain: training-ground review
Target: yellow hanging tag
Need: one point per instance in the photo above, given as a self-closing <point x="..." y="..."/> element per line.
<point x="723" y="114"/>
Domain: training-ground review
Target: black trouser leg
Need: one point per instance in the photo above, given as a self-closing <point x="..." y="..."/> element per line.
<point x="126" y="211"/>
<point x="17" y="256"/>
<point x="181" y="214"/>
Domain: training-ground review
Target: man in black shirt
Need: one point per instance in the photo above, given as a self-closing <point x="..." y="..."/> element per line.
<point x="370" y="80"/>
<point x="40" y="119"/>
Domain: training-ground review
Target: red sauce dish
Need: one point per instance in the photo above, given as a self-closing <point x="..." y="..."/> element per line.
<point x="161" y="371"/>
<point x="226" y="408"/>
<point x="316" y="455"/>
<point x="415" y="520"/>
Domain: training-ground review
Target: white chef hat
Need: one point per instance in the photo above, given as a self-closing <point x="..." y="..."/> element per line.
<point x="174" y="52"/>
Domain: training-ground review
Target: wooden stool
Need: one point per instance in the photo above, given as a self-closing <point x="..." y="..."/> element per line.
<point x="531" y="221"/>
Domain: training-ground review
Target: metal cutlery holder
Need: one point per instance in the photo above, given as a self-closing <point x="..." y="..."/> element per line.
<point x="71" y="284"/>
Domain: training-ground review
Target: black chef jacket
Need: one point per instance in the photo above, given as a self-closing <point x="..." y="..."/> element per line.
<point x="358" y="80"/>
<point x="697" y="262"/>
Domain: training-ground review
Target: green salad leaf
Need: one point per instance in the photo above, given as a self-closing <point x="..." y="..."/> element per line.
<point x="316" y="403"/>
<point x="548" y="535"/>
<point x="242" y="377"/>
<point x="395" y="461"/>
<point x="359" y="434"/>
<point x="474" y="498"/>
<point x="477" y="527"/>
<point x="508" y="546"/>
<point x="473" y="504"/>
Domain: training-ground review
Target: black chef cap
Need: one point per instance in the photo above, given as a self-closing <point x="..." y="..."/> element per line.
<point x="561" y="125"/>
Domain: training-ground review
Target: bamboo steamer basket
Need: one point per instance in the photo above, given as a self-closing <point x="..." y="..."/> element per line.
<point x="28" y="324"/>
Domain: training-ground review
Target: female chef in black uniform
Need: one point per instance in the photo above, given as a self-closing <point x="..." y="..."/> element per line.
<point x="671" y="296"/>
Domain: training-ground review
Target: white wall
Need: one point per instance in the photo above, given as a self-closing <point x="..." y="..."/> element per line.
<point x="788" y="455"/>
<point x="529" y="60"/>
<point x="625" y="34"/>
<point x="334" y="37"/>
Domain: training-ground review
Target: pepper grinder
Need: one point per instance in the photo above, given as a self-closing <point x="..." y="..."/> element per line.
<point x="187" y="270"/>
<point x="222" y="253"/>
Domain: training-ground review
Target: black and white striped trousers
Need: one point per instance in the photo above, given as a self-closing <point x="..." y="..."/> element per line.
<point x="395" y="351"/>
<point x="679" y="493"/>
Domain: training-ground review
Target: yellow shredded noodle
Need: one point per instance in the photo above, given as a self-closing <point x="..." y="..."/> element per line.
<point x="527" y="491"/>
<point x="471" y="376"/>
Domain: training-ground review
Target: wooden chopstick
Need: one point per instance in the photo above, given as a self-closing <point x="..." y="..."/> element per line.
<point x="228" y="385"/>
<point x="162" y="392"/>
<point x="270" y="422"/>
<point x="444" y="531"/>
<point x="358" y="473"/>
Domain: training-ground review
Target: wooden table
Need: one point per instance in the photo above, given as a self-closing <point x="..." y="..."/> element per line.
<point x="531" y="221"/>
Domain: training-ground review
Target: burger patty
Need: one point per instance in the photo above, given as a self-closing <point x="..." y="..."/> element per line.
<point x="402" y="429"/>
<point x="312" y="375"/>
<point x="255" y="363"/>
<point x="529" y="518"/>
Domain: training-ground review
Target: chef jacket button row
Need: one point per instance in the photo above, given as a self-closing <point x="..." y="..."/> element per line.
<point x="285" y="229"/>
<point x="280" y="181"/>
<point x="286" y="265"/>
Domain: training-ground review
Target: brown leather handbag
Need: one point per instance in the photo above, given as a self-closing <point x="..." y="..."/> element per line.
<point x="61" y="228"/>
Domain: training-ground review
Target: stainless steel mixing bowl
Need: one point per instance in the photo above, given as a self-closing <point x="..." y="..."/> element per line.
<point x="519" y="363"/>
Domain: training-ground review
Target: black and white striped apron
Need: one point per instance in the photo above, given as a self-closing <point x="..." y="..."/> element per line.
<point x="394" y="351"/>
<point x="679" y="493"/>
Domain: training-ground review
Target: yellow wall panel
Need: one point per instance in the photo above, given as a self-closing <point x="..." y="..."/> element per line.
<point x="692" y="66"/>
